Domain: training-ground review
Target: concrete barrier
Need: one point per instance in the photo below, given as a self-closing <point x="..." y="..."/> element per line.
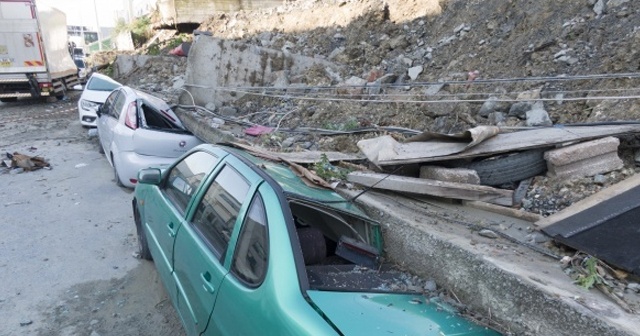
<point x="584" y="159"/>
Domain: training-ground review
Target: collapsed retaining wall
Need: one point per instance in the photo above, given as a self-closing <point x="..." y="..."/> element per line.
<point x="214" y="64"/>
<point x="525" y="292"/>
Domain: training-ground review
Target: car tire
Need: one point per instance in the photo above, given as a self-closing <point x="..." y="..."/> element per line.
<point x="508" y="168"/>
<point x="116" y="176"/>
<point x="9" y="100"/>
<point x="143" y="246"/>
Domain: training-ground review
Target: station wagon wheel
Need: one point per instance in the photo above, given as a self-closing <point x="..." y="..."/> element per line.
<point x="143" y="246"/>
<point x="115" y="173"/>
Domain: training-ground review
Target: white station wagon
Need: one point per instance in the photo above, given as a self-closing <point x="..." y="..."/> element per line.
<point x="137" y="130"/>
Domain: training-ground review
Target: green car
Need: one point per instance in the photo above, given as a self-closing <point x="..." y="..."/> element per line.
<point x="245" y="247"/>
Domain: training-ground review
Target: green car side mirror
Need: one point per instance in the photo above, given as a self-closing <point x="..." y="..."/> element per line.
<point x="149" y="176"/>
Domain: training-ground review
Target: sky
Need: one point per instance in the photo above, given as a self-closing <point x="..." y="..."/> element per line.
<point x="81" y="12"/>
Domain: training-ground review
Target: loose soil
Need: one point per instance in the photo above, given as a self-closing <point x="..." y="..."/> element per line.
<point x="67" y="260"/>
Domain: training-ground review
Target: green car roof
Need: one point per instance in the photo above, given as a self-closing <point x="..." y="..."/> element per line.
<point x="293" y="185"/>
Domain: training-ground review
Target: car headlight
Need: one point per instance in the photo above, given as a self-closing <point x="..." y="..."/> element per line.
<point x="88" y="105"/>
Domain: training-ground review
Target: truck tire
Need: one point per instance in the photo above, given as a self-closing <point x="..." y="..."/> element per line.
<point x="508" y="168"/>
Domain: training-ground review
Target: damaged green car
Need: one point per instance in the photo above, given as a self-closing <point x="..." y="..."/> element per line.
<point x="245" y="247"/>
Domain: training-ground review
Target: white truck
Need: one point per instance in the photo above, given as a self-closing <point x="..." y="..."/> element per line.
<point x="34" y="53"/>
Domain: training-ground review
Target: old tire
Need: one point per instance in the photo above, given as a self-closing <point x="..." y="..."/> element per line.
<point x="143" y="246"/>
<point x="508" y="168"/>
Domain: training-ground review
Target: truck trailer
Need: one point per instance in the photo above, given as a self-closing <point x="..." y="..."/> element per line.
<point x="34" y="54"/>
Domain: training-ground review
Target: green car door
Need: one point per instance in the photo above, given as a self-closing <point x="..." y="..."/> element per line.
<point x="262" y="294"/>
<point x="163" y="209"/>
<point x="203" y="243"/>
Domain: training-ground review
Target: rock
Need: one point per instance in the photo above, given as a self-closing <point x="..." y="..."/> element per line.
<point x="616" y="3"/>
<point x="538" y="116"/>
<point x="634" y="286"/>
<point x="488" y="234"/>
<point x="529" y="95"/>
<point x="432" y="90"/>
<point x="229" y="111"/>
<point x="490" y="105"/>
<point x="520" y="109"/>
<point x="496" y="118"/>
<point x="336" y="52"/>
<point x="537" y="238"/>
<point x="211" y="106"/>
<point x="599" y="7"/>
<point x="25" y="323"/>
<point x="407" y="61"/>
<point x="414" y="72"/>
<point x="430" y="286"/>
<point x="459" y="28"/>
<point x="355" y="81"/>
<point x="599" y="179"/>
<point x="288" y="142"/>
<point x="398" y="42"/>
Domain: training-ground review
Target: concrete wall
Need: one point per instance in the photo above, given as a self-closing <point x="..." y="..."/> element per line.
<point x="216" y="66"/>
<point x="526" y="293"/>
<point x="195" y="11"/>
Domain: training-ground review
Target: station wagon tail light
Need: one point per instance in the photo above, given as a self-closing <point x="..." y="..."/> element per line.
<point x="130" y="119"/>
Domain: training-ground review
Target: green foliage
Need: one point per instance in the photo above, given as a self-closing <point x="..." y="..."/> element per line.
<point x="329" y="172"/>
<point x="591" y="278"/>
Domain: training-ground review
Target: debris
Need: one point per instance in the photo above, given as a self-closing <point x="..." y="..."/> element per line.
<point x="420" y="186"/>
<point x="81" y="165"/>
<point x="25" y="323"/>
<point x="488" y="234"/>
<point x="458" y="175"/>
<point x="584" y="159"/>
<point x="603" y="225"/>
<point x="28" y="163"/>
<point x="385" y="150"/>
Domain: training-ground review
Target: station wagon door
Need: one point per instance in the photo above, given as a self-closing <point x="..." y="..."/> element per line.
<point x="203" y="244"/>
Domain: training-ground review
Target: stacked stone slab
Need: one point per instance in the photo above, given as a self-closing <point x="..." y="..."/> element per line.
<point x="584" y="159"/>
<point x="459" y="175"/>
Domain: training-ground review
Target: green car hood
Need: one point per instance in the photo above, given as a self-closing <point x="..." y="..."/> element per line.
<point x="392" y="314"/>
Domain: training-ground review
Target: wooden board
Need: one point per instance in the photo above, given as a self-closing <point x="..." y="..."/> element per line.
<point x="385" y="150"/>
<point x="590" y="201"/>
<point x="433" y="187"/>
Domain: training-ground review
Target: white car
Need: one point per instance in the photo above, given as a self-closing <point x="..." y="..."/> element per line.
<point x="137" y="130"/>
<point x="95" y="92"/>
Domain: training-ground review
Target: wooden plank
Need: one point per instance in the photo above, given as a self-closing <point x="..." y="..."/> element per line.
<point x="432" y="187"/>
<point x="511" y="212"/>
<point x="385" y="150"/>
<point x="590" y="201"/>
<point x="297" y="157"/>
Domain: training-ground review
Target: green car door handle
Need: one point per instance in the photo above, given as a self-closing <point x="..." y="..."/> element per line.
<point x="206" y="284"/>
<point x="172" y="232"/>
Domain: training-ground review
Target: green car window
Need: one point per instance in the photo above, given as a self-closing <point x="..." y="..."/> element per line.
<point x="186" y="177"/>
<point x="216" y="214"/>
<point x="250" y="262"/>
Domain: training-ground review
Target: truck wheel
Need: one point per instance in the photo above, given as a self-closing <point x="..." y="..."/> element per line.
<point x="9" y="100"/>
<point x="508" y="168"/>
<point x="143" y="246"/>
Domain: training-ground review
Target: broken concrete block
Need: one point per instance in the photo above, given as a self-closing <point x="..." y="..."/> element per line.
<point x="414" y="72"/>
<point x="459" y="175"/>
<point x="584" y="159"/>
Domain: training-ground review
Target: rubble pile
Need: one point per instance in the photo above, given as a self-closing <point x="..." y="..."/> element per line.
<point x="447" y="67"/>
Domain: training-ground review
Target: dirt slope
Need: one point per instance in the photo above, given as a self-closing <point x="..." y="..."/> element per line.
<point x="438" y="62"/>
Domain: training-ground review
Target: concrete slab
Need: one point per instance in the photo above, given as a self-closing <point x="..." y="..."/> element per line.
<point x="459" y="175"/>
<point x="584" y="159"/>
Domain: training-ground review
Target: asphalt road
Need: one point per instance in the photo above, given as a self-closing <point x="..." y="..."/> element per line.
<point x="68" y="243"/>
